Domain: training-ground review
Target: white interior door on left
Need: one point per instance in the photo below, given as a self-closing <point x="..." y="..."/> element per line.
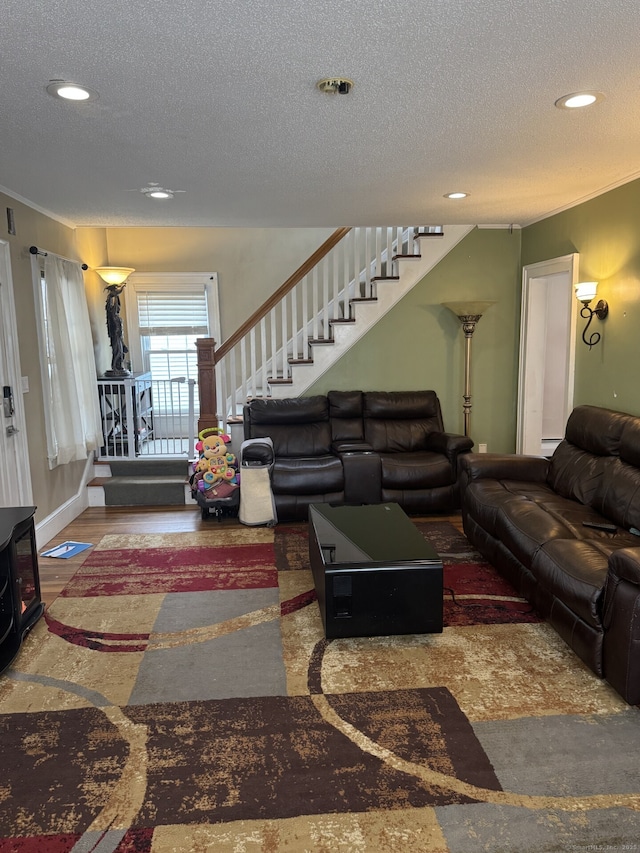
<point x="15" y="479"/>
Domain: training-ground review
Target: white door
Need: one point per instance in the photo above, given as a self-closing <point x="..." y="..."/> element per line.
<point x="15" y="479"/>
<point x="547" y="354"/>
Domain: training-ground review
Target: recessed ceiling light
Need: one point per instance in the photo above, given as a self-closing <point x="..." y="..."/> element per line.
<point x="578" y="99"/>
<point x="157" y="192"/>
<point x="71" y="91"/>
<point x="456" y="195"/>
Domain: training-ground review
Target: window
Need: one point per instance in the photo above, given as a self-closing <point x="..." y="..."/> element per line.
<point x="166" y="312"/>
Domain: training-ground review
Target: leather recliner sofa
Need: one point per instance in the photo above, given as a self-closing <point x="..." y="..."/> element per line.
<point x="532" y="518"/>
<point x="355" y="447"/>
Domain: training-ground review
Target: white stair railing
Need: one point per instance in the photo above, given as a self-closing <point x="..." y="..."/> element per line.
<point x="303" y="318"/>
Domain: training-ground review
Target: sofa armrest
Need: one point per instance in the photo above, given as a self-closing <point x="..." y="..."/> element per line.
<point x="621" y="620"/>
<point x="504" y="466"/>
<point x="351" y="447"/>
<point x="362" y="472"/>
<point x="449" y="444"/>
<point x="624" y="565"/>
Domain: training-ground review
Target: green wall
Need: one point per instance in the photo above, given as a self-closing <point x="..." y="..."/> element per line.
<point x="606" y="233"/>
<point x="420" y="345"/>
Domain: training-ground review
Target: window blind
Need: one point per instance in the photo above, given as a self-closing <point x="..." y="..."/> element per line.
<point x="173" y="313"/>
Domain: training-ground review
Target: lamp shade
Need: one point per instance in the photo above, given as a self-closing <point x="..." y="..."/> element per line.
<point x="586" y="291"/>
<point x="468" y="309"/>
<point x="114" y="275"/>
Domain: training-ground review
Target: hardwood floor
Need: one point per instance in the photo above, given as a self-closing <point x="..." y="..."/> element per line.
<point x="96" y="522"/>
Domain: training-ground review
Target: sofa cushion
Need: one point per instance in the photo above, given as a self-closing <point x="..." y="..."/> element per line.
<point x="592" y="439"/>
<point x="406" y="471"/>
<point x="484" y="498"/>
<point x="577" y="474"/>
<point x="345" y="411"/>
<point x="573" y="571"/>
<point x="298" y="426"/>
<point x="630" y="443"/>
<point x="307" y="476"/>
<point x="293" y="410"/>
<point x="621" y="494"/>
<point x="400" y="421"/>
<point x="523" y="527"/>
<point x="596" y="429"/>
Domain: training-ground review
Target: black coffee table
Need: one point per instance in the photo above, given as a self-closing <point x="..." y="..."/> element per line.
<point x="374" y="572"/>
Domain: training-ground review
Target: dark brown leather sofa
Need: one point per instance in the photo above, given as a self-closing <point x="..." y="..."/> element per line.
<point x="526" y="516"/>
<point x="355" y="447"/>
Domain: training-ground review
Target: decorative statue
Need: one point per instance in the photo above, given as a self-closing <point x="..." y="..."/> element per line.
<point x="114" y="327"/>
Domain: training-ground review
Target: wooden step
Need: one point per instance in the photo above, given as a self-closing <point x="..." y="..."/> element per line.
<point x="279" y="380"/>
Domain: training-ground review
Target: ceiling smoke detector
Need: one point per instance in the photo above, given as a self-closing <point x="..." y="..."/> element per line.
<point x="335" y="85"/>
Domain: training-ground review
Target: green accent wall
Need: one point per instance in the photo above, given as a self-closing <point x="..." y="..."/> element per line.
<point x="419" y="344"/>
<point x="606" y="233"/>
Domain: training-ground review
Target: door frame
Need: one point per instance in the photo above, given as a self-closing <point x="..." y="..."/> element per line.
<point x="567" y="265"/>
<point x="15" y="475"/>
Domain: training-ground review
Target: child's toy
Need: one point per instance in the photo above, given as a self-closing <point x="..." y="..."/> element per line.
<point x="216" y="463"/>
<point x="215" y="479"/>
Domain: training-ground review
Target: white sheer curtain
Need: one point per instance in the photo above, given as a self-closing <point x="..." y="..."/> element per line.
<point x="72" y="414"/>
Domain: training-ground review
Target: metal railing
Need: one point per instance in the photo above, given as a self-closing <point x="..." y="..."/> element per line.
<point x="144" y="417"/>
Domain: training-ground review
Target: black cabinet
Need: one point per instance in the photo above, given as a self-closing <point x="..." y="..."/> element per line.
<point x="20" y="602"/>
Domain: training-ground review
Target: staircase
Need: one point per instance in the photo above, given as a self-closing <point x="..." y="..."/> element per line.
<point x="321" y="312"/>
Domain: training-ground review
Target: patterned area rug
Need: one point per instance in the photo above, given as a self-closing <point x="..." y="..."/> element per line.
<point x="180" y="696"/>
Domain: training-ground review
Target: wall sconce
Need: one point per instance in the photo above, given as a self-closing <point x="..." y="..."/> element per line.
<point x="114" y="275"/>
<point x="585" y="293"/>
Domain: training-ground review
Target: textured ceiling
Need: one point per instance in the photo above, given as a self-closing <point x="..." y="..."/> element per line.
<point x="219" y="99"/>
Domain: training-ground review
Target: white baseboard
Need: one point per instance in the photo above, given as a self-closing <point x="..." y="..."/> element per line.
<point x="67" y="512"/>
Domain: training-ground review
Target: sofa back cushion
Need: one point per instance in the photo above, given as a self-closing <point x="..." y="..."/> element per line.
<point x="345" y="412"/>
<point x="621" y="487"/>
<point x="577" y="474"/>
<point x="592" y="444"/>
<point x="400" y="421"/>
<point x="298" y="426"/>
<point x="596" y="429"/>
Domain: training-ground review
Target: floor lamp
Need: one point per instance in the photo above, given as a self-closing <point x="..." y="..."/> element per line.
<point x="468" y="313"/>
